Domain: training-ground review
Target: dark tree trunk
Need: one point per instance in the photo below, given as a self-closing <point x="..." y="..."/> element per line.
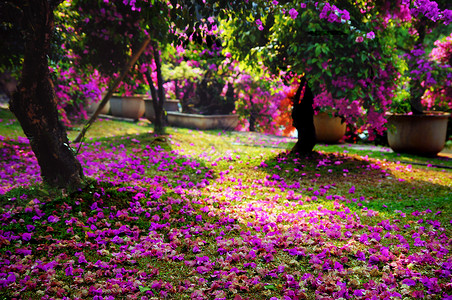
<point x="184" y="100"/>
<point x="34" y="103"/>
<point x="154" y="96"/>
<point x="303" y="119"/>
<point x="176" y="89"/>
<point x="252" y="120"/>
<point x="159" y="101"/>
<point x="417" y="91"/>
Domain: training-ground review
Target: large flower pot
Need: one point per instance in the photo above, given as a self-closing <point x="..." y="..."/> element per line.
<point x="203" y="122"/>
<point x="131" y="107"/>
<point x="169" y="105"/>
<point x="91" y="108"/>
<point x="329" y="129"/>
<point x="418" y="134"/>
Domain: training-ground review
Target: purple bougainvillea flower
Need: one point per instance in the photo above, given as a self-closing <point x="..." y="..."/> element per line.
<point x="370" y="35"/>
<point x="293" y="13"/>
<point x="53" y="219"/>
<point x="360" y="255"/>
<point x="409" y="282"/>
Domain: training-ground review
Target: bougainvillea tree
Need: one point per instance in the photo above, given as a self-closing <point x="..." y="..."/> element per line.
<point x="258" y="101"/>
<point x="199" y="74"/>
<point x="28" y="26"/>
<point x="347" y="52"/>
<point x="111" y="30"/>
<point x="76" y="87"/>
<point x="34" y="103"/>
<point x="441" y="97"/>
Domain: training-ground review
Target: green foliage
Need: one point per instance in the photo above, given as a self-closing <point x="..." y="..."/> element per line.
<point x="311" y="45"/>
<point x="183" y="71"/>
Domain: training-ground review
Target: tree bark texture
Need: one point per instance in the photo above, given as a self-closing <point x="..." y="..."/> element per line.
<point x="159" y="99"/>
<point x="252" y="119"/>
<point x="34" y="103"/>
<point x="303" y="119"/>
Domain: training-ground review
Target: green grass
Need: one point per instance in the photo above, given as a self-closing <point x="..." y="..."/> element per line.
<point x="375" y="186"/>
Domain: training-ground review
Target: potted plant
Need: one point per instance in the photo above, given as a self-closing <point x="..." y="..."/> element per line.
<point x="170" y="105"/>
<point x="203" y="105"/>
<point x="329" y="128"/>
<point x="128" y="104"/>
<point x="419" y="118"/>
<point x="94" y="103"/>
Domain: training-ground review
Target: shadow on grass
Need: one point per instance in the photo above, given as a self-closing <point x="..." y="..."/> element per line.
<point x="143" y="158"/>
<point x="442" y="160"/>
<point x="362" y="182"/>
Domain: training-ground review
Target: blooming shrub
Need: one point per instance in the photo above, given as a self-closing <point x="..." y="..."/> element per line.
<point x="75" y="90"/>
<point x="284" y="118"/>
<point x="439" y="96"/>
<point x="259" y="103"/>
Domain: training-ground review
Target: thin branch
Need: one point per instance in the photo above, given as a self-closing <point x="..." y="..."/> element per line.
<point x="107" y="97"/>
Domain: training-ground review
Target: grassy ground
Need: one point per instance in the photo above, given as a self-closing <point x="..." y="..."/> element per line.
<point x="224" y="215"/>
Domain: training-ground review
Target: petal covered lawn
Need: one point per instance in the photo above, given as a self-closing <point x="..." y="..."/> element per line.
<point x="214" y="215"/>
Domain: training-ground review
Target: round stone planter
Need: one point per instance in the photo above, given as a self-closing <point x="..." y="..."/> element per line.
<point x="329" y="129"/>
<point x="418" y="134"/>
<point x="169" y="105"/>
<point x="131" y="107"/>
<point x="91" y="108"/>
<point x="202" y="122"/>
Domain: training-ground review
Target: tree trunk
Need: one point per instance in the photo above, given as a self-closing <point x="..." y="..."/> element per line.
<point x="417" y="91"/>
<point x="158" y="98"/>
<point x="252" y="119"/>
<point x="184" y="100"/>
<point x="176" y="89"/>
<point x="34" y="103"/>
<point x="158" y="120"/>
<point x="303" y="119"/>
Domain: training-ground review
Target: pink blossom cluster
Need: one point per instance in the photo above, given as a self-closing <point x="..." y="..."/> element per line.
<point x="443" y="51"/>
<point x="333" y="14"/>
<point x="439" y="97"/>
<point x="431" y="10"/>
<point x="357" y="112"/>
<point x="401" y="11"/>
<point x="74" y="91"/>
<point x="258" y="101"/>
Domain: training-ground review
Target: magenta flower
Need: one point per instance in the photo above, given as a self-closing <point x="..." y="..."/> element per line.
<point x="293" y="13"/>
<point x="69" y="271"/>
<point x="53" y="219"/>
<point x="26" y="236"/>
<point x="409" y="282"/>
<point x="370" y="35"/>
<point x="360" y="255"/>
<point x="259" y="26"/>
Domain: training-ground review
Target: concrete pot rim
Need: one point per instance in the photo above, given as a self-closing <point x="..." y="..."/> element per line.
<point x="166" y="100"/>
<point x="197" y="115"/>
<point x="427" y="114"/>
<point x="128" y="97"/>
